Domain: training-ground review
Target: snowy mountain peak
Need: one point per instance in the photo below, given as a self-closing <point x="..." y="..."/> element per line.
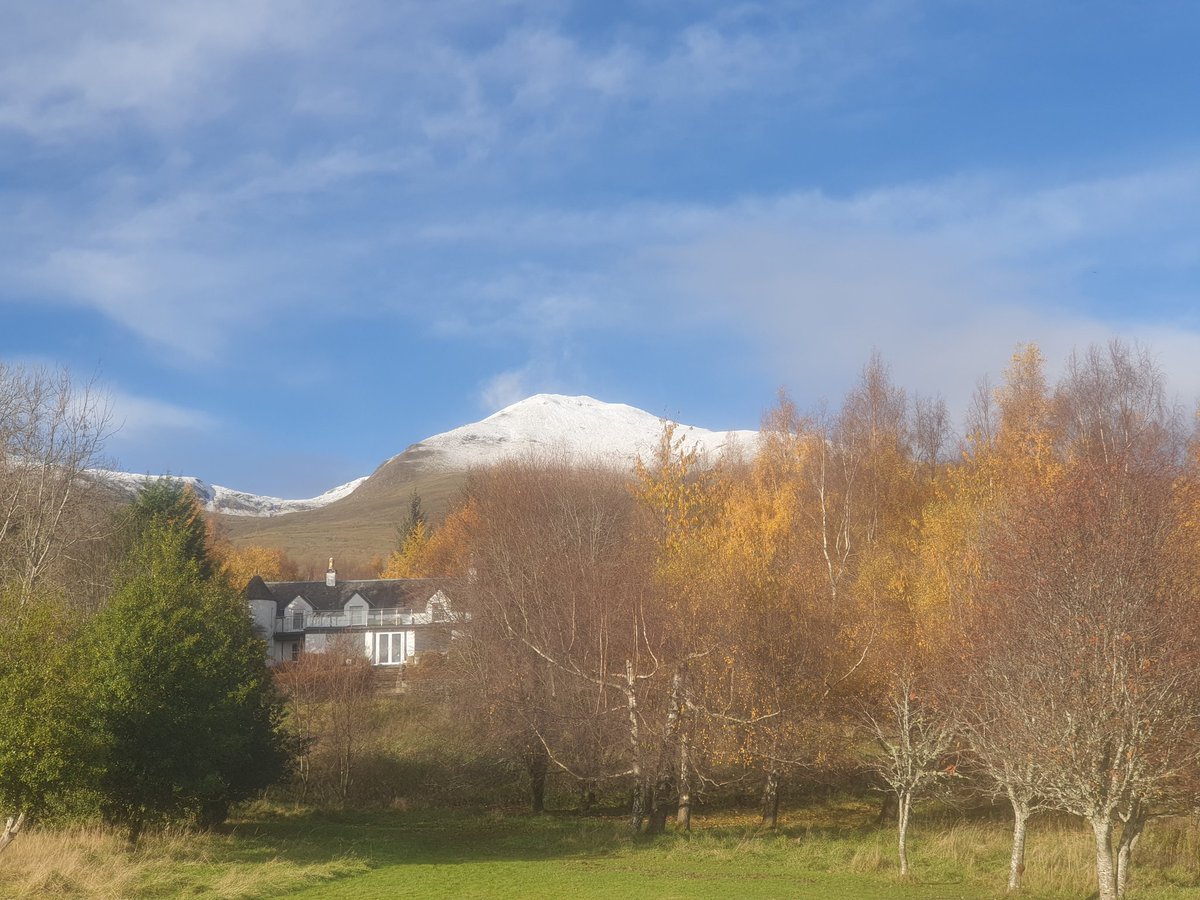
<point x="215" y="498"/>
<point x="580" y="427"/>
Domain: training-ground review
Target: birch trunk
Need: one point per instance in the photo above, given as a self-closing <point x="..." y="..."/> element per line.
<point x="683" y="818"/>
<point x="637" y="806"/>
<point x="770" y="800"/>
<point x="587" y="797"/>
<point x="664" y="779"/>
<point x="1016" y="865"/>
<point x="539" y="764"/>
<point x="903" y="808"/>
<point x="11" y="829"/>
<point x="1125" y="847"/>
<point x="1106" y="876"/>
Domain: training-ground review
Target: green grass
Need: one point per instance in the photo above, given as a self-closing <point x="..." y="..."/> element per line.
<point x="828" y="851"/>
<point x="465" y="855"/>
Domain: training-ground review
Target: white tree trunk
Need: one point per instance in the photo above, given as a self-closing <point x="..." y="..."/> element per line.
<point x="683" y="819"/>
<point x="637" y="810"/>
<point x="904" y="808"/>
<point x="1125" y="847"/>
<point x="1106" y="875"/>
<point x="11" y="829"/>
<point x="1016" y="865"/>
<point x="770" y="800"/>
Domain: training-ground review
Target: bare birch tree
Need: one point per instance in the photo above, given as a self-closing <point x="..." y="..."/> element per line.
<point x="915" y="736"/>
<point x="564" y="637"/>
<point x="1094" y="569"/>
<point x="51" y="433"/>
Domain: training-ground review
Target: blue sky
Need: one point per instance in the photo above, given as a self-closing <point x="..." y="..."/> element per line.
<point x="292" y="237"/>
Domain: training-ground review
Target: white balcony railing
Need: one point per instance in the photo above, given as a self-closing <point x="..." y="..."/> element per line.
<point x="299" y="621"/>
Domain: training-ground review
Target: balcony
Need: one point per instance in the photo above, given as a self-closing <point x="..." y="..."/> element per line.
<point x="361" y="618"/>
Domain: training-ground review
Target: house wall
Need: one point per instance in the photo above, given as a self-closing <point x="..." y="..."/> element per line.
<point x="427" y="639"/>
<point x="263" y="614"/>
<point x="316" y="643"/>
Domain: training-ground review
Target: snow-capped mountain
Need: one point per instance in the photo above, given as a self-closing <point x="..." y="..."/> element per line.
<point x="580" y="427"/>
<point x="216" y="498"/>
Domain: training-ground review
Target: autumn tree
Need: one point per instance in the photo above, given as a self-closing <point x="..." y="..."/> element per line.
<point x="52" y="432"/>
<point x="239" y="564"/>
<point x="915" y="737"/>
<point x="681" y="497"/>
<point x="1099" y="597"/>
<point x="563" y="636"/>
<point x="1010" y="461"/>
<point x="785" y="643"/>
<point x="408" y="561"/>
<point x="329" y="698"/>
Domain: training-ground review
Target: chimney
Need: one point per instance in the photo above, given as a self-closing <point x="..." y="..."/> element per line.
<point x="330" y="575"/>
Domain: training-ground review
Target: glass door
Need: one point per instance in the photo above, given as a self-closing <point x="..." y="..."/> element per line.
<point x="389" y="648"/>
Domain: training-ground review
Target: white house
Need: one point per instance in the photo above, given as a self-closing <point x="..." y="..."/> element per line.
<point x="394" y="618"/>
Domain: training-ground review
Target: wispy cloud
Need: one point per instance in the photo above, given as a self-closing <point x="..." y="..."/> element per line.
<point x="206" y="171"/>
<point x="163" y="65"/>
<point x="945" y="277"/>
<point x="136" y="418"/>
<point x="181" y="212"/>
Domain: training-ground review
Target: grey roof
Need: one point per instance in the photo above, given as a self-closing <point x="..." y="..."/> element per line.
<point x="380" y="593"/>
<point x="257" y="589"/>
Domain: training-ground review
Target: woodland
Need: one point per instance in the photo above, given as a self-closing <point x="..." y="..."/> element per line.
<point x="863" y="601"/>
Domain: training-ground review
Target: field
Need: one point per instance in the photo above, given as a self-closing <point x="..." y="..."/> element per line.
<point x="830" y="851"/>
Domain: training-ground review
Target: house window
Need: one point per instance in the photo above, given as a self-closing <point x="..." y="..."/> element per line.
<point x="295" y="650"/>
<point x="389" y="648"/>
<point x="358" y="615"/>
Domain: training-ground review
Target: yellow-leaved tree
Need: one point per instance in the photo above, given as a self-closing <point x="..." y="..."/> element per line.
<point x="1011" y="463"/>
<point x="240" y="564"/>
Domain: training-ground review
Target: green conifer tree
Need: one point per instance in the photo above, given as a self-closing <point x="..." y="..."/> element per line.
<point x="187" y="717"/>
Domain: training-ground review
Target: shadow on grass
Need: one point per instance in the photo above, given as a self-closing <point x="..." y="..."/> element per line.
<point x="421" y="838"/>
<point x="452" y="837"/>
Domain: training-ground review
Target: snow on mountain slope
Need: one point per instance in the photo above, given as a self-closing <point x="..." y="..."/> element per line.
<point x="580" y="427"/>
<point x="216" y="498"/>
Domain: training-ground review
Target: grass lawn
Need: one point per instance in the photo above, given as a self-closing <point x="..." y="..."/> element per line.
<point x="828" y="852"/>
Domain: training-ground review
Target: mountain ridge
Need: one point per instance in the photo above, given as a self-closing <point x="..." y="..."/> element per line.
<point x="579" y="426"/>
<point x="359" y="527"/>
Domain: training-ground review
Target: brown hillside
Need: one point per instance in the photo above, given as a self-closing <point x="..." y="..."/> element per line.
<point x="356" y="529"/>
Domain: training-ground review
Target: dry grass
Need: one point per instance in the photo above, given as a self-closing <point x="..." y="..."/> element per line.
<point x="1060" y="854"/>
<point x="73" y="862"/>
<point x="95" y="862"/>
<point x="832" y="849"/>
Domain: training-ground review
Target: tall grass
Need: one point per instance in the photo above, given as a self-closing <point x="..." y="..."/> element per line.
<point x="275" y="851"/>
<point x="96" y="862"/>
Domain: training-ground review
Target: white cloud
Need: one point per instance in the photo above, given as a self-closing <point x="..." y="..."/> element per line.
<point x="136" y="418"/>
<point x="545" y="372"/>
<point x="943" y="278"/>
<point x="164" y="63"/>
<point x="505" y="389"/>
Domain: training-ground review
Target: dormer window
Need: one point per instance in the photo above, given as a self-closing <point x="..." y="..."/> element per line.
<point x="356" y="610"/>
<point x="296" y="614"/>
